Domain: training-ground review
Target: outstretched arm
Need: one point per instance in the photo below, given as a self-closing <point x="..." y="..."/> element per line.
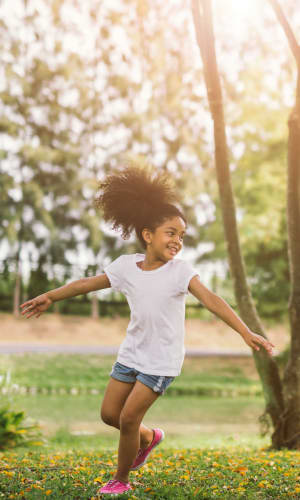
<point x="218" y="306"/>
<point x="40" y="304"/>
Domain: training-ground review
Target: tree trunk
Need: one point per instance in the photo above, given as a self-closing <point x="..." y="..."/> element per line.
<point x="56" y="308"/>
<point x="266" y="366"/>
<point x="95" y="306"/>
<point x="291" y="380"/>
<point x="291" y="437"/>
<point x="17" y="290"/>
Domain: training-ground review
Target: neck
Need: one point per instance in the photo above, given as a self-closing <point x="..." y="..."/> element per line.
<point x="151" y="262"/>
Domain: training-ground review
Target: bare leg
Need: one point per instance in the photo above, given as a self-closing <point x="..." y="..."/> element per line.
<point x="114" y="399"/>
<point x="136" y="405"/>
<point x="146" y="436"/>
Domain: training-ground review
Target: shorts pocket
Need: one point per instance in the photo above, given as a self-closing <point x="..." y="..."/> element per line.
<point x="162" y="384"/>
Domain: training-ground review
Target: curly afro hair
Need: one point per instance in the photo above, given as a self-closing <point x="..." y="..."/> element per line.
<point x="136" y="198"/>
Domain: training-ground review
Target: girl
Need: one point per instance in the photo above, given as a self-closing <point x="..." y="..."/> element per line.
<point x="155" y="284"/>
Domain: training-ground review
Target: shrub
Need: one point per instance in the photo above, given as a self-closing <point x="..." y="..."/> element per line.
<point x="16" y="430"/>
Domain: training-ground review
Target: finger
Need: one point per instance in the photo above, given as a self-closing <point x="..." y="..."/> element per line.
<point x="28" y="309"/>
<point x="26" y="303"/>
<point x="265" y="345"/>
<point x="31" y="313"/>
<point x="268" y="348"/>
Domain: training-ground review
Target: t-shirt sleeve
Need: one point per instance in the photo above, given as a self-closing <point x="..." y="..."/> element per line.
<point x="115" y="273"/>
<point x="187" y="271"/>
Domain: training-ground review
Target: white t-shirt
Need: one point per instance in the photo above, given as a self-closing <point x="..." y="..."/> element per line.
<point x="154" y="343"/>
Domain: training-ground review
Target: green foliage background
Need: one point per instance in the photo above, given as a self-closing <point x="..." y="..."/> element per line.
<point x="110" y="84"/>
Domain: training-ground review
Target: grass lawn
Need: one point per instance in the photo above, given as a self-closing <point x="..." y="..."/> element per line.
<point x="212" y="447"/>
<point x="169" y="474"/>
<point x="188" y="421"/>
<point x="86" y="373"/>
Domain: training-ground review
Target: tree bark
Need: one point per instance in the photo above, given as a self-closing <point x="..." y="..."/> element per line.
<point x="18" y="282"/>
<point x="291" y="379"/>
<point x="56" y="308"/>
<point x="266" y="366"/>
<point x="95" y="306"/>
<point x="17" y="290"/>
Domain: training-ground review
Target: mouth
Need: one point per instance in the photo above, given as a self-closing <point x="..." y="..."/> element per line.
<point x="173" y="250"/>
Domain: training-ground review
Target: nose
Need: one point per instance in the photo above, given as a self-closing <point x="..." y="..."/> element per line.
<point x="177" y="240"/>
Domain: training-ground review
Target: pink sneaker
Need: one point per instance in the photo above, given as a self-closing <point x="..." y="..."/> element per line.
<point x="142" y="455"/>
<point x="115" y="487"/>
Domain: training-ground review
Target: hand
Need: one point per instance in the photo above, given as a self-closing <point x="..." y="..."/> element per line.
<point x="36" y="306"/>
<point x="254" y="340"/>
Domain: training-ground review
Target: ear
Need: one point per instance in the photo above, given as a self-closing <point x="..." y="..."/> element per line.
<point x="147" y="235"/>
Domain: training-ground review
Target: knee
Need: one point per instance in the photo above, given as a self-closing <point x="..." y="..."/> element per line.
<point x="109" y="419"/>
<point x="128" y="421"/>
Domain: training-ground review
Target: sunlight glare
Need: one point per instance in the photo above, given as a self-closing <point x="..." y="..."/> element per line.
<point x="239" y="14"/>
<point x="242" y="9"/>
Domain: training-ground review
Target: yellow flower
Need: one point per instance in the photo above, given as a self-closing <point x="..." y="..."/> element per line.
<point x="8" y="473"/>
<point x="48" y="492"/>
<point x="241" y="470"/>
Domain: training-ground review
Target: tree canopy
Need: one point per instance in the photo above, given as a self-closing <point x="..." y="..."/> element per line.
<point x="87" y="87"/>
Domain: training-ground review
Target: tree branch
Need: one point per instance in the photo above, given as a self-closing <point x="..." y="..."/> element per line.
<point x="294" y="46"/>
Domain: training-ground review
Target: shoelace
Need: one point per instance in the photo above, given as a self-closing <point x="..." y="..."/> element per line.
<point x="113" y="481"/>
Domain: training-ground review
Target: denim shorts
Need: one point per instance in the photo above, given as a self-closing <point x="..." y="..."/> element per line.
<point x="125" y="374"/>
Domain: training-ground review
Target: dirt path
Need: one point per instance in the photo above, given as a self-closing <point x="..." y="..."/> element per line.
<point x="54" y="329"/>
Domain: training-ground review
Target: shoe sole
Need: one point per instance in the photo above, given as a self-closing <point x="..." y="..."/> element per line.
<point x="143" y="463"/>
<point x="115" y="494"/>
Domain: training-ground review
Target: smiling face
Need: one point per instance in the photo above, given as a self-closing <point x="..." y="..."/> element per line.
<point x="167" y="239"/>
